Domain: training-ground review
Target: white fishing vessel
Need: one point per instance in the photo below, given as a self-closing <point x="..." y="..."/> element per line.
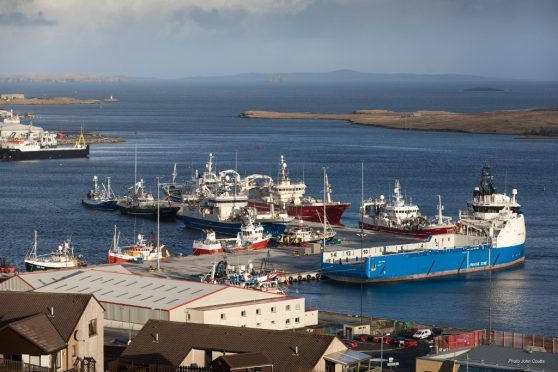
<point x="100" y="197"/>
<point x="61" y="258"/>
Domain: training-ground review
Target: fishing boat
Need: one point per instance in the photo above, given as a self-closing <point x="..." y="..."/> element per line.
<point x="100" y="197"/>
<point x="250" y="237"/>
<point x="290" y="196"/>
<point x="489" y="235"/>
<point x="5" y="267"/>
<point x="401" y="217"/>
<point x="62" y="258"/>
<point x="299" y="235"/>
<point x="140" y="202"/>
<point x="141" y="250"/>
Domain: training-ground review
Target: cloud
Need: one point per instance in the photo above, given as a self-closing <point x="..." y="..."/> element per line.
<point x="20" y="19"/>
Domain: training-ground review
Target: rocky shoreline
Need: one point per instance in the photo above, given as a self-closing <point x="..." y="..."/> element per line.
<point x="525" y="122"/>
<point x="52" y="101"/>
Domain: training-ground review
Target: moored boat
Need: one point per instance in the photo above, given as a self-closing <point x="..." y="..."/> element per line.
<point x="141" y="250"/>
<point x="489" y="235"/>
<point x="401" y="217"/>
<point x="140" y="202"/>
<point x="62" y="258"/>
<point x="100" y="197"/>
<point x="298" y="235"/>
<point x="290" y="197"/>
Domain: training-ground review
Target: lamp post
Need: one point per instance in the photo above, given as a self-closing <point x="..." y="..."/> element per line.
<point x="158" y="218"/>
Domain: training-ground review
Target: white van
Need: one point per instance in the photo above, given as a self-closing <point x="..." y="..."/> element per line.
<point x="421" y="334"/>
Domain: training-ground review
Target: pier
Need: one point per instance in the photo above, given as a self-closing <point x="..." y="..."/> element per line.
<point x="296" y="263"/>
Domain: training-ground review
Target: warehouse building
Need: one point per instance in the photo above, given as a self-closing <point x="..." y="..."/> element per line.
<point x="131" y="300"/>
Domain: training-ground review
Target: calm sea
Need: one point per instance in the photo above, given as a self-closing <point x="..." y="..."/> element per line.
<point x="183" y="122"/>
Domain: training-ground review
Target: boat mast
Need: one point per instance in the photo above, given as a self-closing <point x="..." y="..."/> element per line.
<point x="440" y="209"/>
<point x="174" y="174"/>
<point x="158" y="217"/>
<point x="136" y="169"/>
<point x="325" y="218"/>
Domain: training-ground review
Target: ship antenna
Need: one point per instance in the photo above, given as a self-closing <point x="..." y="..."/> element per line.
<point x="506" y="183"/>
<point x="135" y="167"/>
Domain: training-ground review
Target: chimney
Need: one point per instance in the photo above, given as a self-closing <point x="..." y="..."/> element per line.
<point x="156" y="338"/>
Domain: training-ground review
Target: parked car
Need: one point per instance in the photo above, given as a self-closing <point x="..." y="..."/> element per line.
<point x="409" y="342"/>
<point x="422" y="334"/>
<point x="363" y="337"/>
<point x="388" y="339"/>
<point x="351" y="344"/>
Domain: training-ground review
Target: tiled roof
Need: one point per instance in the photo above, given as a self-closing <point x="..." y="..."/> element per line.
<point x="68" y="308"/>
<point x="175" y="340"/>
<point x="246" y="360"/>
<point x="38" y="330"/>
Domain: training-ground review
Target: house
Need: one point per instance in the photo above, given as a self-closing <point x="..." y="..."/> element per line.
<point x="169" y="345"/>
<point x="58" y="332"/>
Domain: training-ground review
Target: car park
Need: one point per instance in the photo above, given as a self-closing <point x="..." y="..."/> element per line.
<point x="422" y="334"/>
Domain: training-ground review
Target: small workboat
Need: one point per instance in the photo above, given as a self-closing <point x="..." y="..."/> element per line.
<point x="100" y="197"/>
<point x="141" y="250"/>
<point x="302" y="234"/>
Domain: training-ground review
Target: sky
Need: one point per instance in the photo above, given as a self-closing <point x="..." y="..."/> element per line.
<point x="184" y="38"/>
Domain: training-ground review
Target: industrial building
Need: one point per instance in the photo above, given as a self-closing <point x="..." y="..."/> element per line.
<point x="130" y="300"/>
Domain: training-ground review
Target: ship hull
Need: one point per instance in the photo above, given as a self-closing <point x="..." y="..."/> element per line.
<point x="107" y="205"/>
<point x="115" y="258"/>
<point x="229" y="228"/>
<point x="203" y="251"/>
<point x="60" y="153"/>
<point x="421" y="233"/>
<point x="425" y="264"/>
<point x="165" y="213"/>
<point x="41" y="266"/>
<point x="313" y="213"/>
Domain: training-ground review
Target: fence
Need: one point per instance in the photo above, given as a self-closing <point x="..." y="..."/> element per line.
<point x="7" y="365"/>
<point x="496" y="338"/>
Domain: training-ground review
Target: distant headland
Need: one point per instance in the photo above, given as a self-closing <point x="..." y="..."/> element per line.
<point x="526" y="122"/>
<point x="63" y="78"/>
<point x="20" y="99"/>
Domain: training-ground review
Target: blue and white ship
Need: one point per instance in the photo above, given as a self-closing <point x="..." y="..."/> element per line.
<point x="490" y="235"/>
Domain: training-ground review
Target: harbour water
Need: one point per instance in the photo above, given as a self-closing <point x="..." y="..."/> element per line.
<point x="183" y="122"/>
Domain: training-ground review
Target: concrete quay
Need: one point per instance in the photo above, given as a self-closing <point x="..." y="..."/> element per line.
<point x="298" y="263"/>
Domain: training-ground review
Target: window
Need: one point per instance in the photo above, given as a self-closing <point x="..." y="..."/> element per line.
<point x="92" y="327"/>
<point x="288" y="321"/>
<point x="243" y="313"/>
<point x="258" y="312"/>
<point x="297" y="306"/>
<point x="288" y="307"/>
<point x="223" y="316"/>
<point x="297" y="320"/>
<point x="273" y="309"/>
<point x="188" y="316"/>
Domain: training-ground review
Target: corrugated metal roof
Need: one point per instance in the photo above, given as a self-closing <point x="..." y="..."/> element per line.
<point x="347" y="357"/>
<point x="39" y="279"/>
<point x="133" y="290"/>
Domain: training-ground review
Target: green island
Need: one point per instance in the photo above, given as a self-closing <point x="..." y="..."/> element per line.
<point x="535" y="123"/>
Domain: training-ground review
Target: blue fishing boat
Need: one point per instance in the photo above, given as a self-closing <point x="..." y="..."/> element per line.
<point x="490" y="234"/>
<point x="100" y="197"/>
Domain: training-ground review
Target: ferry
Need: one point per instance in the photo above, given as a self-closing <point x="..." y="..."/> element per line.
<point x="489" y="235"/>
<point x="290" y="196"/>
<point x="401" y="217"/>
<point x="62" y="258"/>
<point x="100" y="197"/>
<point x="38" y="144"/>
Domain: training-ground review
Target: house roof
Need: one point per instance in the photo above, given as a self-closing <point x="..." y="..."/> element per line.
<point x="246" y="360"/>
<point x="506" y="357"/>
<point x="38" y="330"/>
<point x="68" y="309"/>
<point x="143" y="291"/>
<point x="175" y="340"/>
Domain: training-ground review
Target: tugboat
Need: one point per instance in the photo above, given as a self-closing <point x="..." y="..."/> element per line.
<point x="140" y="202"/>
<point x="489" y="235"/>
<point x="398" y="216"/>
<point x="141" y="250"/>
<point x="100" y="197"/>
<point x="289" y="196"/>
<point x="62" y="258"/>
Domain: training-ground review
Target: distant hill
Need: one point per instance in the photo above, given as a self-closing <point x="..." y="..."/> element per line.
<point x="63" y="78"/>
<point x="341" y="76"/>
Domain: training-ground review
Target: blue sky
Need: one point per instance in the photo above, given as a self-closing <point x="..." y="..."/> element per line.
<point x="181" y="38"/>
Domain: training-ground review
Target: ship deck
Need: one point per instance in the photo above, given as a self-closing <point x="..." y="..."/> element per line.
<point x="290" y="260"/>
